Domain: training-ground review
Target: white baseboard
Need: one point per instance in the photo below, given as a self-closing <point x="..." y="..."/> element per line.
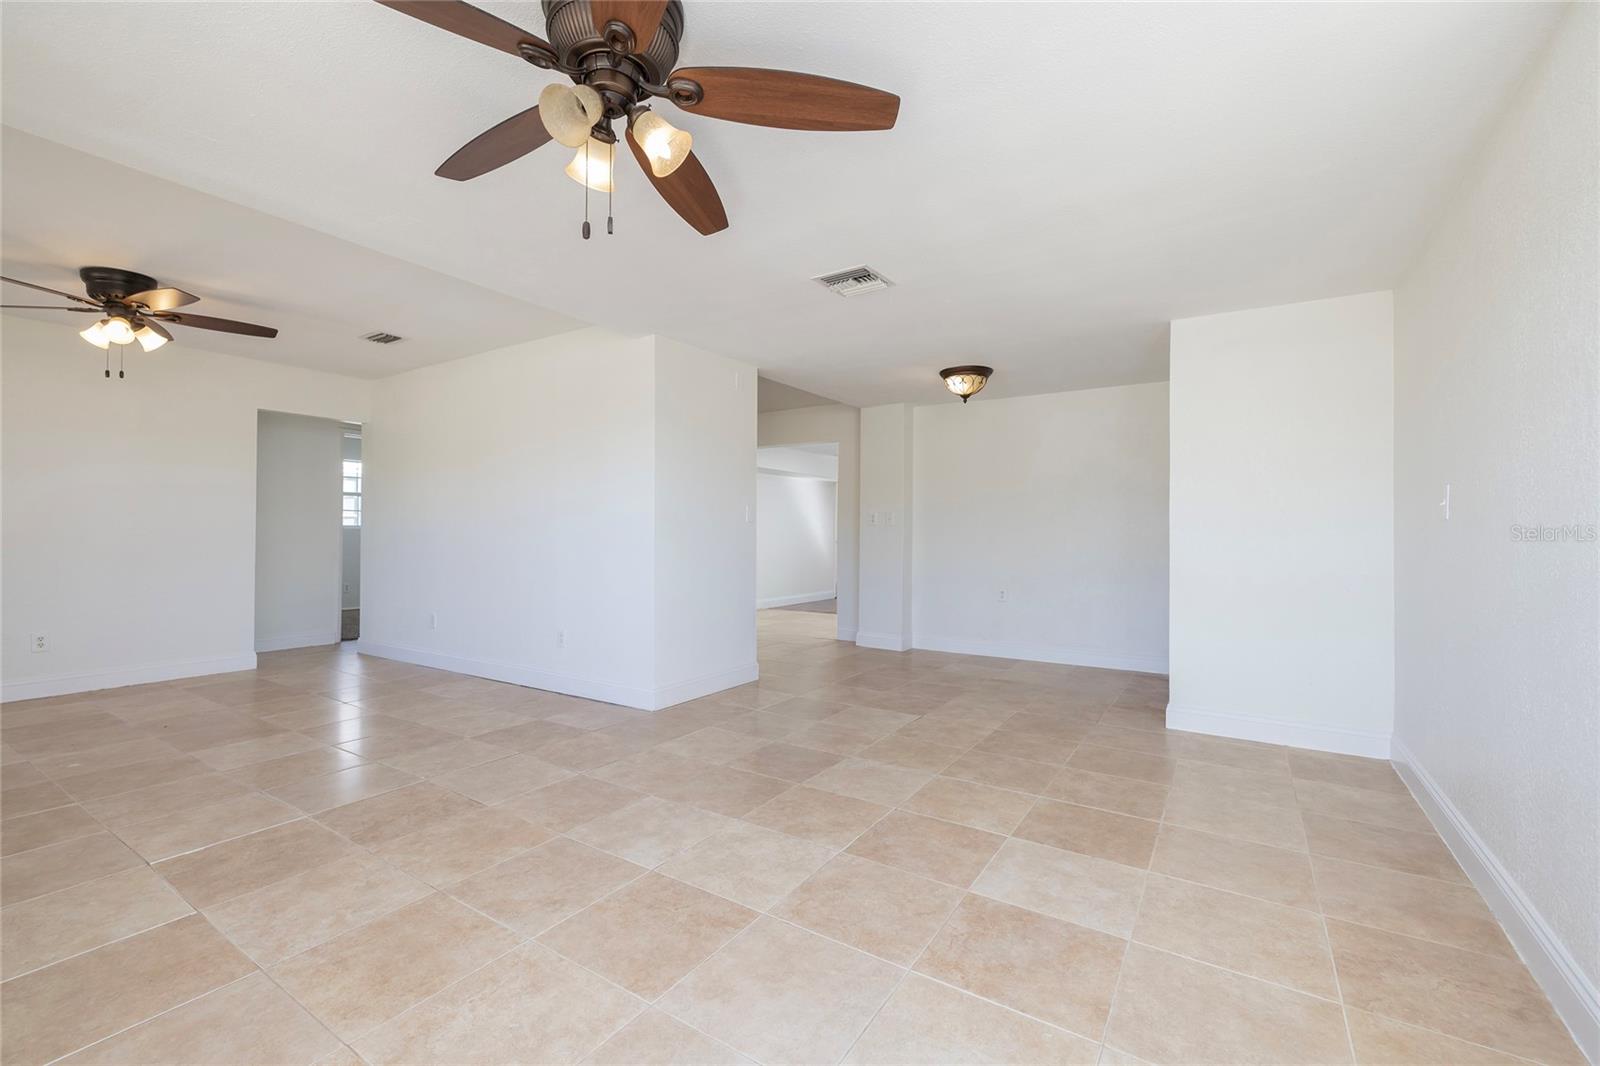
<point x="883" y="641"/>
<point x="1274" y="731"/>
<point x="317" y="638"/>
<point x="790" y="601"/>
<point x="643" y="699"/>
<point x="1044" y="653"/>
<point x="66" y="684"/>
<point x="1571" y="992"/>
<point x="694" y="688"/>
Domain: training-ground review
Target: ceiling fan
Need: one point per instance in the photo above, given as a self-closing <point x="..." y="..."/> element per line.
<point x="619" y="54"/>
<point x="133" y="308"/>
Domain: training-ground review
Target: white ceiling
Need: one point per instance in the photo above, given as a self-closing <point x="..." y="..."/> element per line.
<point x="1063" y="181"/>
<point x="776" y="396"/>
<point x="61" y="209"/>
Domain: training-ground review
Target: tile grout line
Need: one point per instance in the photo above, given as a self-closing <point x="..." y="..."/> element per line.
<point x="1107" y="705"/>
<point x="766" y="912"/>
<point x="1333" y="958"/>
<point x="1127" y="948"/>
<point x="158" y="1014"/>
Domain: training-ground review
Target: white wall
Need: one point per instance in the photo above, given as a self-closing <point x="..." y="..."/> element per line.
<point x="509" y="500"/>
<point x="1497" y="715"/>
<point x="299" y="539"/>
<point x="128" y="521"/>
<point x="705" y="533"/>
<point x="514" y="530"/>
<point x="796" y="532"/>
<point x="814" y="460"/>
<point x="351" y="569"/>
<point x="1060" y="501"/>
<point x="841" y="425"/>
<point x="1282" y="510"/>
<point x="886" y="494"/>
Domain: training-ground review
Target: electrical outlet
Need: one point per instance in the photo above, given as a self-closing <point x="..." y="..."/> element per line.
<point x="433" y="619"/>
<point x="1003" y="596"/>
<point x="561" y="638"/>
<point x="872" y="518"/>
<point x="347" y="590"/>
<point x="38" y="642"/>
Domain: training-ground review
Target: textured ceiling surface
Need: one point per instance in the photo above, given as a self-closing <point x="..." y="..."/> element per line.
<point x="1064" y="180"/>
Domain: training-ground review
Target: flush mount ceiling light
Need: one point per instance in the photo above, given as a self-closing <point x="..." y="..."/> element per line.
<point x="619" y="54"/>
<point x="132" y="309"/>
<point x="966" y="381"/>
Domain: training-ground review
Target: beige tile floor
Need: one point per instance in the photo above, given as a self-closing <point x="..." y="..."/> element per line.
<point x="866" y="857"/>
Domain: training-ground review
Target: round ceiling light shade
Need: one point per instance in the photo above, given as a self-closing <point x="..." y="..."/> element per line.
<point x="592" y="165"/>
<point x="569" y="112"/>
<point x="966" y="381"/>
<point x="665" y="145"/>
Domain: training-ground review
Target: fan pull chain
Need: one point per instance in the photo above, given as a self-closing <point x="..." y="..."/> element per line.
<point x="108" y="360"/>
<point x="611" y="169"/>
<point x="585" y="190"/>
<point x="122" y="357"/>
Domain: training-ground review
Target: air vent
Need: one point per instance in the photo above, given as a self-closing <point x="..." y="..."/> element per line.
<point x="853" y="282"/>
<point x="381" y="338"/>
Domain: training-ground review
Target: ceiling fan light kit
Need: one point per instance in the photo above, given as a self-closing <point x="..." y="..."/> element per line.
<point x="569" y="112"/>
<point x="133" y="308"/>
<point x="621" y="53"/>
<point x="591" y="166"/>
<point x="966" y="381"/>
<point x="664" y="144"/>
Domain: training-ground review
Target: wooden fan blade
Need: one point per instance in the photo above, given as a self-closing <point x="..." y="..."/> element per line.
<point x="44" y="307"/>
<point x="163" y="299"/>
<point x="643" y="17"/>
<point x="496" y="146"/>
<point x="221" y="325"/>
<point x="687" y="190"/>
<point x="464" y="20"/>
<point x="52" y="292"/>
<point x="788" y="100"/>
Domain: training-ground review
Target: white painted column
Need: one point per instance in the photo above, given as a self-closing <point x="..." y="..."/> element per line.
<point x="886" y="435"/>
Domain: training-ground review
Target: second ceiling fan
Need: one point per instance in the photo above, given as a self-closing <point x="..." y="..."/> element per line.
<point x="619" y="54"/>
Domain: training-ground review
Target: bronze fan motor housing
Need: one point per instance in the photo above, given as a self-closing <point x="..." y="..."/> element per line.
<point x="611" y="60"/>
<point x="110" y="285"/>
<point x="627" y="51"/>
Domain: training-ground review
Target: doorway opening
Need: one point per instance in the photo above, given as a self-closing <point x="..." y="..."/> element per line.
<point x="308" y="529"/>
<point x="797" y="528"/>
<point x="350" y="525"/>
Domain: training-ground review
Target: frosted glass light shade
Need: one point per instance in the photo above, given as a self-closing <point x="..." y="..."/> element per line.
<point x="664" y="145"/>
<point x="148" y="338"/>
<point x="592" y="166"/>
<point x="96" y="335"/>
<point x="118" y="330"/>
<point x="569" y="112"/>
<point x="966" y="381"/>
